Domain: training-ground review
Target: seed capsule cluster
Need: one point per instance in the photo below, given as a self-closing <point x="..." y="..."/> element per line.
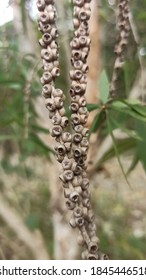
<point x="124" y="28"/>
<point x="71" y="149"/>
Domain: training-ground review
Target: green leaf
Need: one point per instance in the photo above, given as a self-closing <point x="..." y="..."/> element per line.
<point x="133" y="164"/>
<point x="92" y="107"/>
<point x="103" y="87"/>
<point x="129" y="132"/>
<point x="141" y="145"/>
<point x="32" y="221"/>
<point x="134" y="111"/>
<point x="7" y="137"/>
<point x="40" y="128"/>
<point x="116" y="150"/>
<point x="123" y="145"/>
<point x="98" y="121"/>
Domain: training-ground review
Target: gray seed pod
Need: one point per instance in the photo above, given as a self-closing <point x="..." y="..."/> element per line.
<point x="72" y="223"/>
<point x="60" y="150"/>
<point x="58" y="102"/>
<point x="85" y="194"/>
<point x="77" y="181"/>
<point x="85" y="132"/>
<point x="47" y="38"/>
<point x="76" y="23"/>
<point x="66" y="137"/>
<point x="84" y="142"/>
<point x="85" y="184"/>
<point x="74" y="107"/>
<point x="78" y="128"/>
<point x="75" y="119"/>
<point x="70" y="204"/>
<point x="78" y="64"/>
<point x="47" y="55"/>
<point x="55" y="72"/>
<point x="82" y="101"/>
<point x="48" y="66"/>
<point x="56" y="119"/>
<point x="68" y="175"/>
<point x="79" y="221"/>
<point x="84" y="15"/>
<point x="86" y="202"/>
<point x="79" y="3"/>
<point x="66" y="164"/>
<point x="76" y="55"/>
<point x="74" y="196"/>
<point x="56" y="131"/>
<point x="50" y="105"/>
<point x="78" y="170"/>
<point x="46" y="28"/>
<point x="93" y="247"/>
<point x="77" y="138"/>
<point x="64" y="122"/>
<point x="47" y="90"/>
<point x="84" y="255"/>
<point x="78" y="212"/>
<point x="83" y="119"/>
<point x="92" y="257"/>
<point x="68" y="147"/>
<point x="58" y="93"/>
<point x="77" y="152"/>
<point x="80" y="240"/>
<point x="62" y="112"/>
<point x="75" y="98"/>
<point x="47" y="77"/>
<point x="49" y="2"/>
<point x="75" y="74"/>
<point x="40" y="5"/>
<point x="104" y="257"/>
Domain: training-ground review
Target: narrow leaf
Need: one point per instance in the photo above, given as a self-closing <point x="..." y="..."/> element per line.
<point x="98" y="121"/>
<point x="103" y="87"/>
<point x="116" y="150"/>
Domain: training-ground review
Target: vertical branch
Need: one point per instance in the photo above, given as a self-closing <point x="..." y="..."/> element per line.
<point x="124" y="28"/>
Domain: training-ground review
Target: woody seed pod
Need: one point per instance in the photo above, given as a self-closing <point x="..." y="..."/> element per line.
<point x="56" y="131"/>
<point x="75" y="119"/>
<point x="68" y="175"/>
<point x="78" y="212"/>
<point x="58" y="102"/>
<point x="66" y="137"/>
<point x="74" y="107"/>
<point x="72" y="222"/>
<point x="66" y="164"/>
<point x="56" y="119"/>
<point x="77" y="181"/>
<point x="92" y="257"/>
<point x="77" y="138"/>
<point x="40" y="5"/>
<point x="50" y="104"/>
<point x="46" y="28"/>
<point x="64" y="122"/>
<point x="60" y="150"/>
<point x="74" y="196"/>
<point x="92" y="247"/>
<point x="85" y="184"/>
<point x="55" y="72"/>
<point x="79" y="221"/>
<point x="79" y="3"/>
<point x="70" y="204"/>
<point x="77" y="152"/>
<point x="47" y="38"/>
<point x="47" y="90"/>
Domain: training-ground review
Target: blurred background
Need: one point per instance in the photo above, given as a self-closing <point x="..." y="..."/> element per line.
<point x="33" y="219"/>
